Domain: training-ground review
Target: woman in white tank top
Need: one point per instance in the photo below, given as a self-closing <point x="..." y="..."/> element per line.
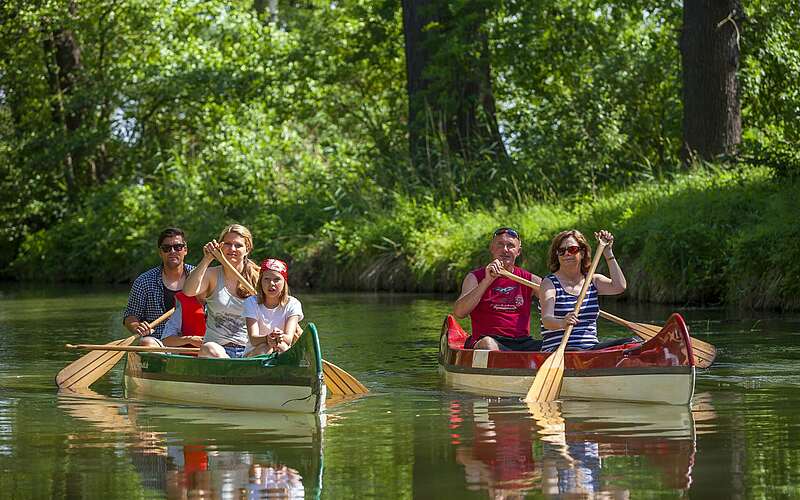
<point x="226" y="329"/>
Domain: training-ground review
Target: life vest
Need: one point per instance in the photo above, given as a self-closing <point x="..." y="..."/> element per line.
<point x="193" y="316"/>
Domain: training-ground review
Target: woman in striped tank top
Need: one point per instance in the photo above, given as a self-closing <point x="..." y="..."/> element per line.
<point x="570" y="258"/>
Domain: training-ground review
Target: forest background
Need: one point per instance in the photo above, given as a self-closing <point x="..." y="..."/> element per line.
<point x="377" y="143"/>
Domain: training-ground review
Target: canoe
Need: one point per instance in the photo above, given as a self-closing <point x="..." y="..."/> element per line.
<point x="286" y="382"/>
<point x="660" y="370"/>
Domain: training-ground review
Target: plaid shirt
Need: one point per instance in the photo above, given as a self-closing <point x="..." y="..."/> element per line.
<point x="146" y="300"/>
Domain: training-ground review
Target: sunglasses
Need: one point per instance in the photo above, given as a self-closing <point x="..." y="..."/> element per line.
<point x="508" y="231"/>
<point x="176" y="247"/>
<point x="570" y="250"/>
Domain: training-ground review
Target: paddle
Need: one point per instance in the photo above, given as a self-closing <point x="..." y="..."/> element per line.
<point x="84" y="371"/>
<point x="704" y="353"/>
<point x="338" y="381"/>
<point x="134" y="348"/>
<point x="547" y="382"/>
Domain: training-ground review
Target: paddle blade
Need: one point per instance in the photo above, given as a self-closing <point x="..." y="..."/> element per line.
<point x="704" y="353"/>
<point x="339" y="382"/>
<point x="547" y="383"/>
<point x="84" y="371"/>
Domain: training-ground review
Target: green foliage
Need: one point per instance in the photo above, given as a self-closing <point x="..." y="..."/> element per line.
<point x="108" y="240"/>
<point x="770" y="90"/>
<point x="295" y="123"/>
<point x="596" y="97"/>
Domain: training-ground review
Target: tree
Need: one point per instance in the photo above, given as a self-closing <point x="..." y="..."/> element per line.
<point x="712" y="123"/>
<point x="451" y="106"/>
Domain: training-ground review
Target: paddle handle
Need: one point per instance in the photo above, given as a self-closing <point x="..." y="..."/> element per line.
<point x="225" y="263"/>
<point x="133" y="348"/>
<point x="161" y="319"/>
<point x="603" y="314"/>
<point x="584" y="290"/>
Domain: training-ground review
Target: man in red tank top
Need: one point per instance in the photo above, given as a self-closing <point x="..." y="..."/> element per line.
<point x="499" y="308"/>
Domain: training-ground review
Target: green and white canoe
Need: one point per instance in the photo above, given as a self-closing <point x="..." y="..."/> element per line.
<point x="286" y="382"/>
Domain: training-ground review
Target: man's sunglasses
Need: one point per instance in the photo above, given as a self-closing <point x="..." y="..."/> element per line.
<point x="177" y="247"/>
<point x="570" y="250"/>
<point x="508" y="231"/>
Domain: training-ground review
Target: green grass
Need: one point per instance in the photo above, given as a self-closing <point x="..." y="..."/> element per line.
<point x="709" y="236"/>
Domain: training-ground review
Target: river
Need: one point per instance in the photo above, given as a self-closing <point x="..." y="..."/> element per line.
<point x="411" y="437"/>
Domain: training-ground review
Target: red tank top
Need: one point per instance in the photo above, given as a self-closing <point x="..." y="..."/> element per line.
<point x="193" y="317"/>
<point x="504" y="309"/>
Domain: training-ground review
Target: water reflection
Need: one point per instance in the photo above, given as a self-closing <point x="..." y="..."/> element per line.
<point x="572" y="448"/>
<point x="184" y="452"/>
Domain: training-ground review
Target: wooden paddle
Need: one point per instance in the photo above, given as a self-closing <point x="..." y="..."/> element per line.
<point x="547" y="382"/>
<point x="338" y="381"/>
<point x="84" y="371"/>
<point x="134" y="348"/>
<point x="704" y="353"/>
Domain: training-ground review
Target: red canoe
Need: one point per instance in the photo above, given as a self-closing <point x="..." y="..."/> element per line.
<point x="660" y="370"/>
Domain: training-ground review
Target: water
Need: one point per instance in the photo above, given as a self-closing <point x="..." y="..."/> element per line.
<point x="411" y="437"/>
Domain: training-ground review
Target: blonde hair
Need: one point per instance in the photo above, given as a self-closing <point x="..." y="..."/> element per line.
<point x="552" y="256"/>
<point x="250" y="269"/>
<point x="262" y="295"/>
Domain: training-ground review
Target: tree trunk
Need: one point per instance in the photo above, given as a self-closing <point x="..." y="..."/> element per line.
<point x="451" y="107"/>
<point x="63" y="66"/>
<point x="712" y="124"/>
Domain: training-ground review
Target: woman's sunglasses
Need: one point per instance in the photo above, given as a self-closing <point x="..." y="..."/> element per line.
<point x="177" y="247"/>
<point x="570" y="250"/>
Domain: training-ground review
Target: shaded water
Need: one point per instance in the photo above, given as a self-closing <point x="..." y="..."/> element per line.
<point x="411" y="437"/>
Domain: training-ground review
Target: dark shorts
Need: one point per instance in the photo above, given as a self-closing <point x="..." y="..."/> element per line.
<point x="509" y="344"/>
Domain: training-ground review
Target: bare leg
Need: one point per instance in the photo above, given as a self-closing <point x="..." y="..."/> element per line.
<point x="212" y="350"/>
<point x="150" y="342"/>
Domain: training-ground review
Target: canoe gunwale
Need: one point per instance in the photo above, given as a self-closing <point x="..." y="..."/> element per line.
<point x="660" y="370"/>
<point x="256" y="383"/>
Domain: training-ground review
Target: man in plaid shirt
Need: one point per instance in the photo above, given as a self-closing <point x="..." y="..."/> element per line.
<point x="153" y="292"/>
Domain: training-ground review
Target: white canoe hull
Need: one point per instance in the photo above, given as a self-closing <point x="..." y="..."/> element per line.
<point x="250" y="397"/>
<point x="667" y="388"/>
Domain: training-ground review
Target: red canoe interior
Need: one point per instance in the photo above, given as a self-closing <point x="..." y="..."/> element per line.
<point x="670" y="347"/>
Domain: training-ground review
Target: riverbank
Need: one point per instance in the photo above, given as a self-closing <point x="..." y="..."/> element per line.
<point x="707" y="237"/>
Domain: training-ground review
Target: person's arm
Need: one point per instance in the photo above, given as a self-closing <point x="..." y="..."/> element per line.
<point x="291" y="326"/>
<point x="254" y="333"/>
<point x="137" y="302"/>
<point x="199" y="280"/>
<point x="616" y="284"/>
<point x="472" y="291"/>
<point x="547" y="298"/>
<point x="295" y="310"/>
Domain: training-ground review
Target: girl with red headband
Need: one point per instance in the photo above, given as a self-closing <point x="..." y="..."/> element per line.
<point x="272" y="315"/>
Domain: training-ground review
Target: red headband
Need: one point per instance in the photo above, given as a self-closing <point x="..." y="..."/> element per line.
<point x="276" y="265"/>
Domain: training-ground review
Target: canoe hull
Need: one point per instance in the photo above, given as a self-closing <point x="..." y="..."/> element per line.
<point x="659" y="371"/>
<point x="289" y="382"/>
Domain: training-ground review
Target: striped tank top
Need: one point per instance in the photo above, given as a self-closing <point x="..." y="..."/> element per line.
<point x="584" y="334"/>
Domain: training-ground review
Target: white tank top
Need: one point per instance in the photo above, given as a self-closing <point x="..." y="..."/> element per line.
<point x="225" y="323"/>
